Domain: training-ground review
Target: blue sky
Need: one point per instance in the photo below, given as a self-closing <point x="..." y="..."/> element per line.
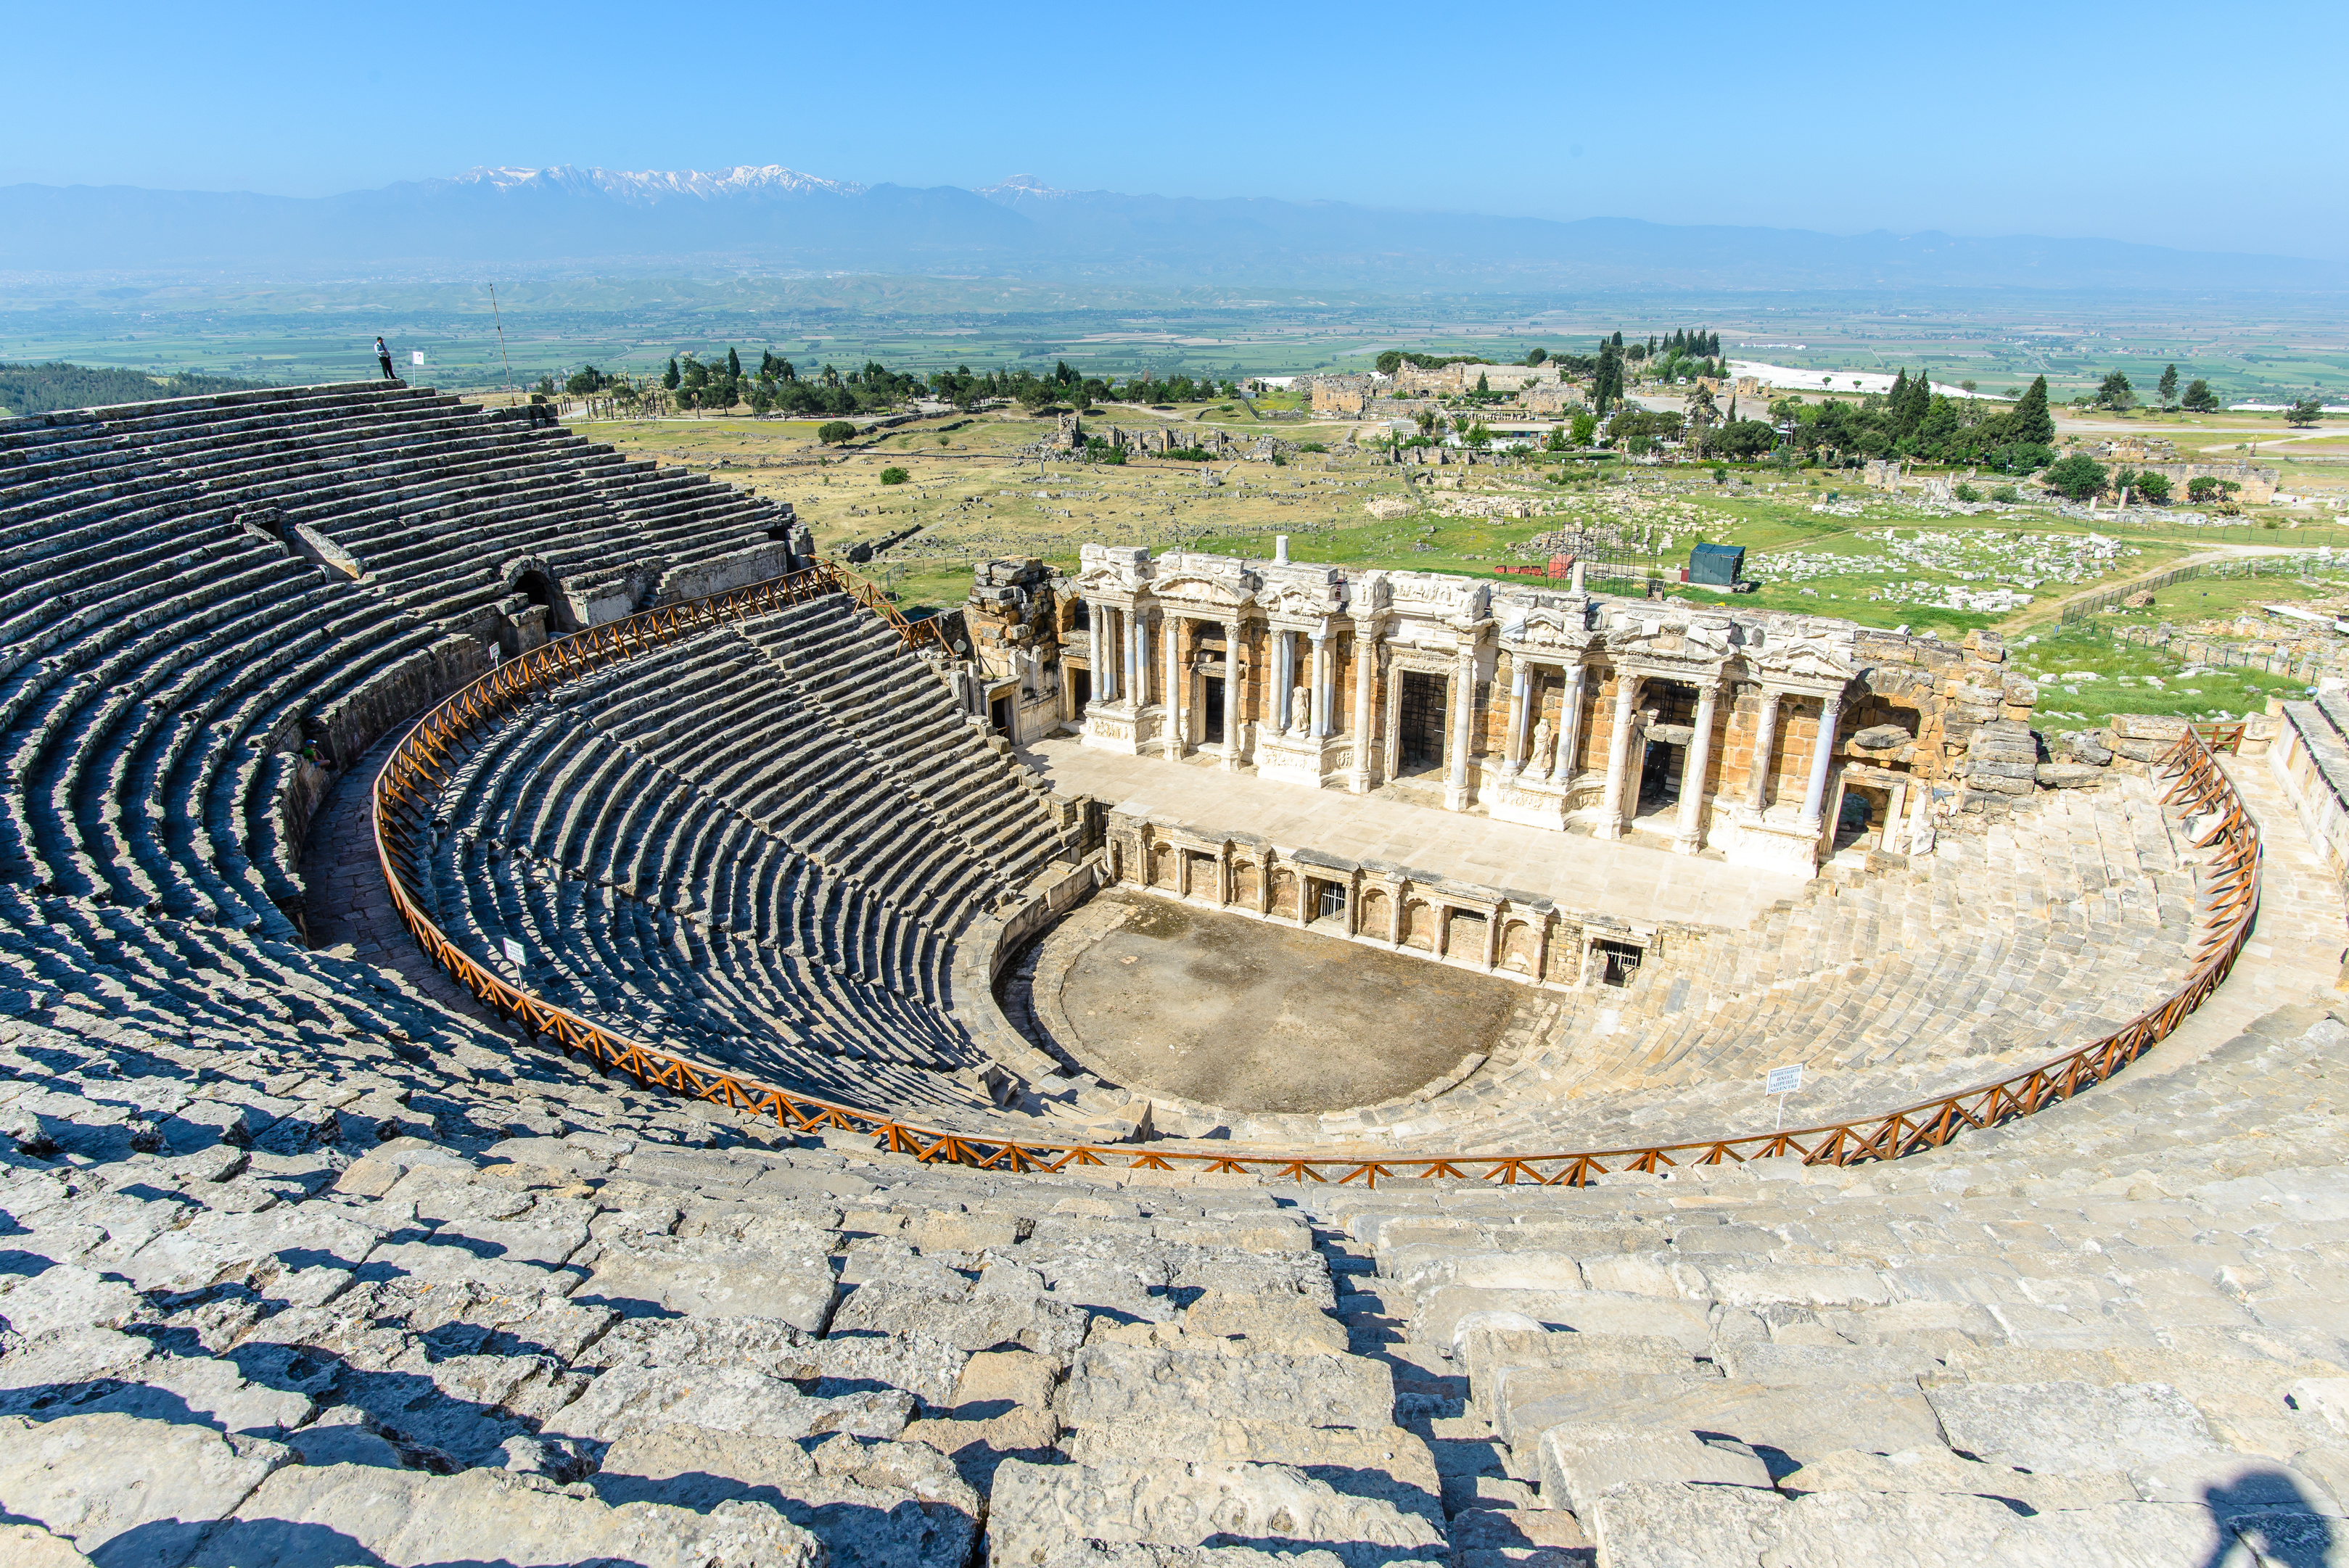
<point x="2191" y="126"/>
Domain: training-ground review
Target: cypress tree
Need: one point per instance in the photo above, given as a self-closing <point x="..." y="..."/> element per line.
<point x="672" y="375"/>
<point x="2031" y="421"/>
<point x="1619" y="337"/>
<point x="733" y="365"/>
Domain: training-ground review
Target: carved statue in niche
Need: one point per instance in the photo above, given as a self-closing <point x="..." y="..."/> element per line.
<point x="1300" y="710"/>
<point x="1539" y="762"/>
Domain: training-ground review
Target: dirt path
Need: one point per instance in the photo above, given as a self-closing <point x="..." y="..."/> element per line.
<point x="2053" y="609"/>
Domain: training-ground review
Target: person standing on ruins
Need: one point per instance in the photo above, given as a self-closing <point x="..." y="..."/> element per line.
<point x="383" y="358"/>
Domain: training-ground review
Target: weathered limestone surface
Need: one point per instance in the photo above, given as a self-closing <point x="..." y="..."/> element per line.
<point x="302" y="1266"/>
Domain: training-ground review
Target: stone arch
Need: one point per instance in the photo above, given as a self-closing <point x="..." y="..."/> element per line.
<point x="1419" y="926"/>
<point x="1163" y="866"/>
<point x="1377" y="912"/>
<point x="1519" y="947"/>
<point x="1248" y="881"/>
<point x="534" y="580"/>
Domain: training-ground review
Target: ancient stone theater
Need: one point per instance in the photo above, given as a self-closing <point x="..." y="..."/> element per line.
<point x="546" y="1023"/>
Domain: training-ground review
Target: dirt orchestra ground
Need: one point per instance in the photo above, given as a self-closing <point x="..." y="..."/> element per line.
<point x="1168" y="999"/>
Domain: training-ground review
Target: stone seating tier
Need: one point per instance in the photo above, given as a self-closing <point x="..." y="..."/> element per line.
<point x="729" y="850"/>
<point x="305" y="1265"/>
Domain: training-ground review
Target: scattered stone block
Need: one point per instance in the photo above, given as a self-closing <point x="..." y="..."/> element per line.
<point x="1581" y="1462"/>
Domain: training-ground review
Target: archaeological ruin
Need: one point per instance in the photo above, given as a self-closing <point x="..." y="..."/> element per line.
<point x="546" y="1023"/>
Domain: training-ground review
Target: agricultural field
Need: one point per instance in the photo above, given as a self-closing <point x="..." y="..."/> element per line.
<point x="319" y="331"/>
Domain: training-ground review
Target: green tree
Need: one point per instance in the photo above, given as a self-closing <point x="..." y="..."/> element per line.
<point x="2153" y="488"/>
<point x="2077" y="478"/>
<point x="733" y="364"/>
<point x="2200" y="398"/>
<point x="1479" y="435"/>
<point x="2167" y="386"/>
<point x="835" y="431"/>
<point x="2115" y="393"/>
<point x="2030" y="422"/>
<point x="671" y="376"/>
<point x="1536" y="356"/>
<point x="2304" y="411"/>
<point x="895" y="475"/>
<point x="1484" y="383"/>
<point x="1389" y="362"/>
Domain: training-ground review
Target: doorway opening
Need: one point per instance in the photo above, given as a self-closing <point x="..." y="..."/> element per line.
<point x="1212" y="703"/>
<point x="1865" y="809"/>
<point x="1419" y="722"/>
<point x="1673" y="705"/>
<point x="1081" y="690"/>
<point x="539" y="588"/>
<point x="999" y="713"/>
<point x="1618" y="962"/>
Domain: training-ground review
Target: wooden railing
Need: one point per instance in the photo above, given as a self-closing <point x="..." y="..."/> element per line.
<point x="405" y="788"/>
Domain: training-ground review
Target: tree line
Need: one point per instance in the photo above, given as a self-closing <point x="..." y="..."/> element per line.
<point x="57" y="383"/>
<point x="1912" y="420"/>
<point x="780" y="386"/>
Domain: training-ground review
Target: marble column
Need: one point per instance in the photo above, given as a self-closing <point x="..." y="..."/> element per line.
<point x="1097" y="645"/>
<point x="1695" y="768"/>
<point x="1619" y="755"/>
<point x="1765" y="755"/>
<point x="1463" y="713"/>
<point x="1366" y="680"/>
<point x="1569" y="727"/>
<point x="1232" y="690"/>
<point x="1137" y="677"/>
<point x="1814" y="793"/>
<point x="1284" y="679"/>
<point x="1521" y="677"/>
<point x="1170" y="640"/>
<point x="1320" y="715"/>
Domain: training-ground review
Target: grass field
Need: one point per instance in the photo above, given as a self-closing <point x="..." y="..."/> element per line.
<point x="1879" y="560"/>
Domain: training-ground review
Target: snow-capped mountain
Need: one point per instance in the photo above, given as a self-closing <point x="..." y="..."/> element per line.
<point x="655" y="184"/>
<point x="567" y="217"/>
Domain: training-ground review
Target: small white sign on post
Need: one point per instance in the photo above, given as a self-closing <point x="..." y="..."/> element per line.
<point x="1782" y="1082"/>
<point x="416" y="356"/>
<point x="516" y="956"/>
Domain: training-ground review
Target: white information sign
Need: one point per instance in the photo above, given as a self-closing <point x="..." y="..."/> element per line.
<point x="514" y="955"/>
<point x="1783" y="1080"/>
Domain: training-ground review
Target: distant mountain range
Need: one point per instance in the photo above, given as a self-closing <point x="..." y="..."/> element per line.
<point x="565" y="218"/>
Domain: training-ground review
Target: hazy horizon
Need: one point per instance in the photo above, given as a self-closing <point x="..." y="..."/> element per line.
<point x="2005" y="121"/>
